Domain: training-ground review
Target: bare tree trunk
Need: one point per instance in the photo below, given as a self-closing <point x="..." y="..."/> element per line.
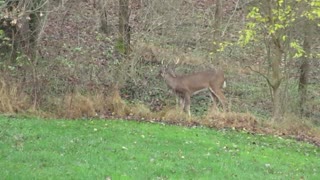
<point x="34" y="31"/>
<point x="304" y="71"/>
<point x="276" y="70"/>
<point x="217" y="24"/>
<point x="275" y="82"/>
<point x="276" y="111"/>
<point x="37" y="13"/>
<point x="103" y="17"/>
<point x="124" y="28"/>
<point x="9" y="49"/>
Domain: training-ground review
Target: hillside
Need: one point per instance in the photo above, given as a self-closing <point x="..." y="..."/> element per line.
<point x="80" y="71"/>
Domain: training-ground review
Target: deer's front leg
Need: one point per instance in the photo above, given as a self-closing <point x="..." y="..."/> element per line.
<point x="181" y="102"/>
<point x="187" y="103"/>
<point x="178" y="101"/>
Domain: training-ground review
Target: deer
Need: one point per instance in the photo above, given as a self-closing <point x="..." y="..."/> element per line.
<point x="185" y="86"/>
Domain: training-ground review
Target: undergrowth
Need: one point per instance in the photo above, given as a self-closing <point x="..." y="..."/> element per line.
<point x="112" y="105"/>
<point x="12" y="98"/>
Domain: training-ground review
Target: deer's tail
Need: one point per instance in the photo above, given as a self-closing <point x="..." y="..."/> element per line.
<point x="224" y="84"/>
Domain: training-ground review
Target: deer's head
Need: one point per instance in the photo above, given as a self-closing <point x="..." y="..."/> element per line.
<point x="167" y="72"/>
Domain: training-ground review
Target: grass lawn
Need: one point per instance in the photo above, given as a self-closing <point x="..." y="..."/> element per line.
<point x="98" y="149"/>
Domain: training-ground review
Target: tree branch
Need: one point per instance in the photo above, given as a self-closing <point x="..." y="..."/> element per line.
<point x="264" y="76"/>
<point x="235" y="9"/>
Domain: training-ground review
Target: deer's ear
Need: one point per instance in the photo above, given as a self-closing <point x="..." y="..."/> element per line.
<point x="161" y="72"/>
<point x="172" y="72"/>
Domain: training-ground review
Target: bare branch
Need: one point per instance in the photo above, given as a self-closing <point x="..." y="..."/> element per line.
<point x="226" y="27"/>
<point x="261" y="74"/>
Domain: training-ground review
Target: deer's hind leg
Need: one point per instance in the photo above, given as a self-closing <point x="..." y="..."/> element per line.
<point x="217" y="93"/>
<point x="214" y="99"/>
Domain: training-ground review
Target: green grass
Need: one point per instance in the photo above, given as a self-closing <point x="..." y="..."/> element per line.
<point x="82" y="149"/>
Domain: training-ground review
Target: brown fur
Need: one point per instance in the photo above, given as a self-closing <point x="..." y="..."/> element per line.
<point x="185" y="86"/>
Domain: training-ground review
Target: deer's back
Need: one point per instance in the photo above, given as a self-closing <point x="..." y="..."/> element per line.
<point x="200" y="80"/>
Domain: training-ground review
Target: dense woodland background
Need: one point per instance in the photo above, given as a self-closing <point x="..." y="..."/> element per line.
<point x="101" y="58"/>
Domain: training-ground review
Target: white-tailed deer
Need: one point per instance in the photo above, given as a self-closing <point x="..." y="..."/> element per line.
<point x="184" y="86"/>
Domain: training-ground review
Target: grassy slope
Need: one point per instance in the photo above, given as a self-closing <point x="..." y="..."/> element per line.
<point x="57" y="149"/>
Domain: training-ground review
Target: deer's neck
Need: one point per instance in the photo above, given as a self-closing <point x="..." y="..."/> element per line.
<point x="171" y="81"/>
